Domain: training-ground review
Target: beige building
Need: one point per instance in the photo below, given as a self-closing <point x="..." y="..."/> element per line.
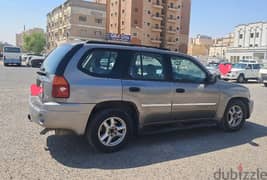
<point x="19" y="36"/>
<point x="76" y="20"/>
<point x="199" y="46"/>
<point x="220" y="46"/>
<point x="159" y="23"/>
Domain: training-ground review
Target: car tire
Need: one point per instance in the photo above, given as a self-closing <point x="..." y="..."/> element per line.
<point x="241" y="79"/>
<point x="265" y="84"/>
<point x="234" y="116"/>
<point x="5" y="64"/>
<point x="101" y="126"/>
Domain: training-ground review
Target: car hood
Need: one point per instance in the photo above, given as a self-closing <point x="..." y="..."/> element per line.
<point x="236" y="69"/>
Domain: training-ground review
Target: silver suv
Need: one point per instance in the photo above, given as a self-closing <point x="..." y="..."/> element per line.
<point x="110" y="92"/>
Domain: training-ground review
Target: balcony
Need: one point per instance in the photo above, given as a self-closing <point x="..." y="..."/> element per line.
<point x="171" y="42"/>
<point x="171" y="31"/>
<point x="155" y="40"/>
<point x="157" y="5"/>
<point x="172" y="20"/>
<point x="158" y="18"/>
<point x="156" y="29"/>
<point x="173" y="8"/>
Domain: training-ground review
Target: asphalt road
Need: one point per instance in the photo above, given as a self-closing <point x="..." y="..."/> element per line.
<point x="192" y="154"/>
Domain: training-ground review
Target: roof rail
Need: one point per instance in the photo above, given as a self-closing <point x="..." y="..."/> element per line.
<point x="124" y="44"/>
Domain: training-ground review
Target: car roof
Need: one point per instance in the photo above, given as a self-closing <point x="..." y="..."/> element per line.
<point x="132" y="47"/>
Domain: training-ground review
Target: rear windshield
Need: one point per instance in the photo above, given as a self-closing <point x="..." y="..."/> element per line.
<point x="53" y="59"/>
<point x="12" y="50"/>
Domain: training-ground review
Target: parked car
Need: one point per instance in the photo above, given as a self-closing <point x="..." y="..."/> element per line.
<point x="34" y="60"/>
<point x="214" y="69"/>
<point x="263" y="74"/>
<point x="109" y="92"/>
<point x="243" y="71"/>
<point x="11" y="55"/>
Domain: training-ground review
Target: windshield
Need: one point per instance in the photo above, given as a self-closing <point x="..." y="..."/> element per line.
<point x="240" y="66"/>
<point x="53" y="59"/>
<point x="12" y="50"/>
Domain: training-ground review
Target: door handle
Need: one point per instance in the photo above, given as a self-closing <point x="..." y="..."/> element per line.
<point x="180" y="90"/>
<point x="134" y="89"/>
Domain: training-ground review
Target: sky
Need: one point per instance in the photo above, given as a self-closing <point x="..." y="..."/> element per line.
<point x="214" y="18"/>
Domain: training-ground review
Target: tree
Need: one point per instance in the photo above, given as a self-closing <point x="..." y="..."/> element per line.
<point x="34" y="42"/>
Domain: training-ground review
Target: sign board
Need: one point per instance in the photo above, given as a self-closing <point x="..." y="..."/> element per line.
<point x="118" y="37"/>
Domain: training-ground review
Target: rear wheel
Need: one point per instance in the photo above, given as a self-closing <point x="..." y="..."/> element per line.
<point x="265" y="84"/>
<point x="234" y="116"/>
<point x="109" y="130"/>
<point x="241" y="79"/>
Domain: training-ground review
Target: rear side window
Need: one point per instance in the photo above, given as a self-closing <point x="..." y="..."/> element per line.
<point x="99" y="62"/>
<point x="54" y="58"/>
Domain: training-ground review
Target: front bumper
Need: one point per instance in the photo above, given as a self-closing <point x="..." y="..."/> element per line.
<point x="53" y="115"/>
<point x="229" y="76"/>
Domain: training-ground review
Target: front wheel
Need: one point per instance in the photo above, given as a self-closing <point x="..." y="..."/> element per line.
<point x="109" y="130"/>
<point x="234" y="116"/>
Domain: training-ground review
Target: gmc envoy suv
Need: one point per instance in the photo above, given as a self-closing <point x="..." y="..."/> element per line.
<point x="110" y="92"/>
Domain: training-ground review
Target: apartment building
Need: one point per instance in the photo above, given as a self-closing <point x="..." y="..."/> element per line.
<point x="220" y="46"/>
<point x="76" y="20"/>
<point x="159" y="23"/>
<point x="250" y="42"/>
<point x="199" y="46"/>
<point x="19" y="36"/>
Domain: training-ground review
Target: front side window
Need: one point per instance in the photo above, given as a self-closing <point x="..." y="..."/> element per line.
<point x="147" y="67"/>
<point x="99" y="62"/>
<point x="185" y="70"/>
<point x="256" y="66"/>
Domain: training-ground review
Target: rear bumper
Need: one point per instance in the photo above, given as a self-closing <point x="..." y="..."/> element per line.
<point x="251" y="106"/>
<point x="12" y="61"/>
<point x="55" y="115"/>
<point x="229" y="77"/>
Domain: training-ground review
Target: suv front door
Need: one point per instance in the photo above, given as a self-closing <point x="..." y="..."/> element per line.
<point x="146" y="86"/>
<point x="193" y="98"/>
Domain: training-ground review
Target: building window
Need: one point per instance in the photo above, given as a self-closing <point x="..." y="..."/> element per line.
<point x="239" y="45"/>
<point x="134" y="34"/>
<point x="135" y="22"/>
<point x="98" y="33"/>
<point x="122" y="22"/>
<point x="98" y="21"/>
<point x="250" y="45"/>
<point x="136" y="9"/>
<point x="82" y="18"/>
<point x="148" y="24"/>
<point x="257" y="35"/>
<point x="148" y="12"/>
<point x="256" y="45"/>
<point x="251" y="35"/>
<point x="123" y="11"/>
<point x="240" y="36"/>
<point x="178" y="17"/>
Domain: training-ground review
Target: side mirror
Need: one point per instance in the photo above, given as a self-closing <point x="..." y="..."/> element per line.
<point x="212" y="78"/>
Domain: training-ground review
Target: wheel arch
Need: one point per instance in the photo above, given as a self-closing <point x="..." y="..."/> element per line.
<point x="125" y="105"/>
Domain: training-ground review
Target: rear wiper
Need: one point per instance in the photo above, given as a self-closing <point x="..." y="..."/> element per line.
<point x="41" y="73"/>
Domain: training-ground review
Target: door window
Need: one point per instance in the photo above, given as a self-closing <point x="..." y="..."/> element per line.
<point x="256" y="66"/>
<point x="147" y="67"/>
<point x="99" y="62"/>
<point x="185" y="70"/>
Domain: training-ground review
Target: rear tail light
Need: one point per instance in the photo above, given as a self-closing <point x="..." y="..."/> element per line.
<point x="36" y="90"/>
<point x="60" y="87"/>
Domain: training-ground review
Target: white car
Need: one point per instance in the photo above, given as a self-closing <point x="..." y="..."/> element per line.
<point x="263" y="74"/>
<point x="30" y="58"/>
<point x="243" y="71"/>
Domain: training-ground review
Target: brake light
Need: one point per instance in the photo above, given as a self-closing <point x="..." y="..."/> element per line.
<point x="60" y="87"/>
<point x="36" y="90"/>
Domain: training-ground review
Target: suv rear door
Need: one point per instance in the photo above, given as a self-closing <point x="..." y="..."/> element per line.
<point x="145" y="85"/>
<point x="193" y="99"/>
